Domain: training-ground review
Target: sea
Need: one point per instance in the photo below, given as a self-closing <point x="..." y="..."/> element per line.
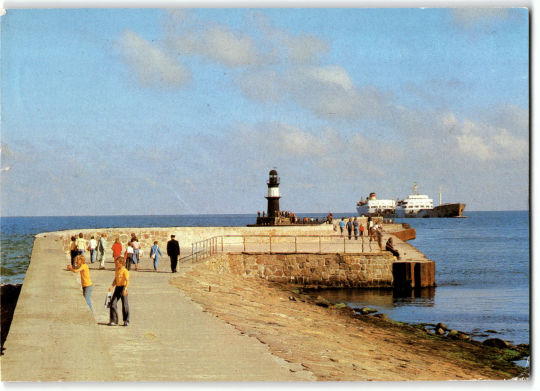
<point x="482" y="266"/>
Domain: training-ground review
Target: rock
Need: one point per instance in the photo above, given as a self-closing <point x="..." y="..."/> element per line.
<point x="381" y="316"/>
<point x="321" y="301"/>
<point x="291" y="298"/>
<point x="496" y="343"/>
<point x="492" y="331"/>
<point x="441" y="325"/>
<point x="452" y="334"/>
<point x="464" y="337"/>
<point x="439" y="331"/>
<point x="367" y="310"/>
<point x="428" y="331"/>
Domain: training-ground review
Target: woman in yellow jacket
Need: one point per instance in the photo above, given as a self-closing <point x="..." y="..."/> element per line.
<point x="120" y="284"/>
<point x="86" y="282"/>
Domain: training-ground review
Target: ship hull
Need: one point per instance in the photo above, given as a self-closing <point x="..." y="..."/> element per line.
<point x="378" y="213"/>
<point x="444" y="210"/>
<point x="449" y="210"/>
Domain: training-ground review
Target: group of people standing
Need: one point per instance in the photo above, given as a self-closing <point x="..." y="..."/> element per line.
<point x="374" y="232"/>
<point x="96" y="249"/>
<point x="122" y="263"/>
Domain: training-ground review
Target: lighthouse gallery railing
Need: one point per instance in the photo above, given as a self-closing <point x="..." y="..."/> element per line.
<point x="280" y="244"/>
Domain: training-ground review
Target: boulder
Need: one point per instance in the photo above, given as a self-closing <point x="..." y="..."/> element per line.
<point x="496" y="343"/>
<point x="381" y="316"/>
<point x="439" y="331"/>
<point x="367" y="310"/>
<point x="441" y="325"/>
<point x="452" y="334"/>
<point x="428" y="331"/>
<point x="464" y="337"/>
<point x="321" y="301"/>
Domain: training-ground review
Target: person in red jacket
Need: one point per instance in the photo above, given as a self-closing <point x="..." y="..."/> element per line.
<point x="116" y="249"/>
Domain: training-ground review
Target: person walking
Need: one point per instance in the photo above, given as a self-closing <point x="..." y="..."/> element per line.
<point x="120" y="284"/>
<point x="355" y="225"/>
<point x="155" y="253"/>
<point x="100" y="250"/>
<point x="349" y="227"/>
<point x="136" y="251"/>
<point x="81" y="244"/>
<point x="173" y="251"/>
<point x="341" y="226"/>
<point x="92" y="248"/>
<point x="86" y="282"/>
<point x="128" y="255"/>
<point x="73" y="250"/>
<point x="362" y="231"/>
<point x="116" y="248"/>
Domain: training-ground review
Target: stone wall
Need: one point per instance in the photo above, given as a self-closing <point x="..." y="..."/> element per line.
<point x="308" y="269"/>
<point x="187" y="235"/>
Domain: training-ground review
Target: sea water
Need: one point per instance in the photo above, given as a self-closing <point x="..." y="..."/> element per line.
<point x="481" y="266"/>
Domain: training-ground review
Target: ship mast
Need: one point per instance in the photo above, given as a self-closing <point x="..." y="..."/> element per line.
<point x="415" y="188"/>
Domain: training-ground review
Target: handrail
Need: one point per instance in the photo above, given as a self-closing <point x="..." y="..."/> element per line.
<point x="216" y="244"/>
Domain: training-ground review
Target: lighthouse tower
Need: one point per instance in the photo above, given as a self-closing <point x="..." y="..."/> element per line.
<point x="273" y="194"/>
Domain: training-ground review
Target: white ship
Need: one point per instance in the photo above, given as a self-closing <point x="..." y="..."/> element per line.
<point x="415" y="205"/>
<point x="371" y="206"/>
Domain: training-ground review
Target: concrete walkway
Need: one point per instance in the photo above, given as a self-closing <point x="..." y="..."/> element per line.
<point x="54" y="336"/>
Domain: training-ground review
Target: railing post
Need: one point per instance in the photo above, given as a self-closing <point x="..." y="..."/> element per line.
<point x="344" y="251"/>
<point x="270" y="238"/>
<point x="221" y="243"/>
<point x="244" y="242"/>
<point x="362" y="237"/>
<point x="320" y="248"/>
<point x="295" y="246"/>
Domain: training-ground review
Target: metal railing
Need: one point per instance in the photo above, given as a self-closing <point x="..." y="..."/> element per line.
<point x="280" y="244"/>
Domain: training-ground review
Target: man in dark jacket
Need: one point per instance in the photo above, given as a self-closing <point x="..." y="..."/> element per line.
<point x="173" y="251"/>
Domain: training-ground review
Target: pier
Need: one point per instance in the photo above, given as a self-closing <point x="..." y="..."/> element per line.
<point x="54" y="336"/>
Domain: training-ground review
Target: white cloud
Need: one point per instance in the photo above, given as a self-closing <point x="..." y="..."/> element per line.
<point x="219" y="44"/>
<point x="333" y="76"/>
<point x="470" y="143"/>
<point x="511" y="146"/>
<point x="297" y="49"/>
<point x="326" y="91"/>
<point x="484" y="141"/>
<point x="153" y="66"/>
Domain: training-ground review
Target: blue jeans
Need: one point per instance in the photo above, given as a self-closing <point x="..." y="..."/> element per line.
<point x="92" y="255"/>
<point x="135" y="255"/>
<point x="87" y="292"/>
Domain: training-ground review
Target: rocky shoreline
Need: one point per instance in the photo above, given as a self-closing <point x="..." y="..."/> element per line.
<point x="336" y="342"/>
<point x="9" y="293"/>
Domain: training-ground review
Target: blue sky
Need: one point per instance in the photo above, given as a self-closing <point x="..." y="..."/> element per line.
<point x="162" y="111"/>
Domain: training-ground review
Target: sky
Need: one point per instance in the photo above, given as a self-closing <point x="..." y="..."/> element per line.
<point x="185" y="111"/>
